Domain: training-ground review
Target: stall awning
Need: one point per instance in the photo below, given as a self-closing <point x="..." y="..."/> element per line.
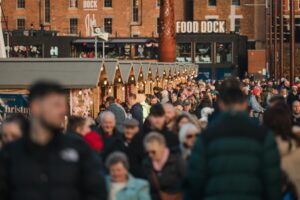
<point x="71" y="73"/>
<point x="116" y="40"/>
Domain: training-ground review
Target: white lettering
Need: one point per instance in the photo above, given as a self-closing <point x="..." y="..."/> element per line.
<point x="189" y="27"/>
<point x="183" y="27"/>
<point x="222" y="26"/>
<point x="90" y="4"/>
<point x="203" y="27"/>
<point x="195" y="27"/>
<point x="178" y="27"/>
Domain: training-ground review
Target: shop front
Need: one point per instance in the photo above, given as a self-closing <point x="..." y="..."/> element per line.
<point x="217" y="53"/>
<point x="117" y="48"/>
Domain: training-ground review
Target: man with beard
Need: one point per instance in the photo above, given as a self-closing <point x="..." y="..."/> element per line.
<point x="157" y="122"/>
<point x="46" y="164"/>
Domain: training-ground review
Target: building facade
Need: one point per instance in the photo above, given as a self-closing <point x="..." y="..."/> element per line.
<point x="129" y="18"/>
<point x="120" y="18"/>
<point x="133" y="27"/>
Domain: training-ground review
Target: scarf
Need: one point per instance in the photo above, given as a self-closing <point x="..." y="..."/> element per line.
<point x="158" y="165"/>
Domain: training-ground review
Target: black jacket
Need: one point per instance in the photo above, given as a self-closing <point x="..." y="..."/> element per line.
<point x="170" y="178"/>
<point x="65" y="169"/>
<point x="110" y="143"/>
<point x="135" y="152"/>
<point x="170" y="137"/>
<point x="137" y="113"/>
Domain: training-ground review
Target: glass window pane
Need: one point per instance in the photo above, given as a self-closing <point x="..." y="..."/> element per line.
<point x="73" y="25"/>
<point x="108" y="25"/>
<point x="73" y="3"/>
<point x="203" y="53"/>
<point x="224" y="53"/>
<point x="184" y="52"/>
<point x="237" y="26"/>
<point x="212" y="2"/>
<point x="47" y="11"/>
<point x="20" y="24"/>
<point x="21" y="4"/>
<point x="236" y="2"/>
<point x="107" y="3"/>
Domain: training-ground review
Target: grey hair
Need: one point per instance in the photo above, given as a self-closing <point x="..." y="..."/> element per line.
<point x="154" y="136"/>
<point x="115" y="158"/>
<point x="104" y="114"/>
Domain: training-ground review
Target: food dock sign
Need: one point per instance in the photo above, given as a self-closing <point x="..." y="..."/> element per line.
<point x="201" y="26"/>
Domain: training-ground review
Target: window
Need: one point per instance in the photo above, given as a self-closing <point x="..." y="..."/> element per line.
<point x="108" y="3"/>
<point x="184" y="52"/>
<point x="108" y="25"/>
<point x="236" y="2"/>
<point x="47" y="11"/>
<point x="224" y="53"/>
<point x="135" y="11"/>
<point x="158" y="25"/>
<point x="21" y="24"/>
<point x="158" y="3"/>
<point x="237" y="25"/>
<point x="73" y="3"/>
<point x="203" y="53"/>
<point x="73" y="25"/>
<point x="212" y="2"/>
<point x="20" y="3"/>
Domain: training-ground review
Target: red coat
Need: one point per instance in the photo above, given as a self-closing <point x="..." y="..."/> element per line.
<point x="94" y="140"/>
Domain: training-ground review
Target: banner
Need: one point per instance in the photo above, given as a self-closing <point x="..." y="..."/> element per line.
<point x="13" y="103"/>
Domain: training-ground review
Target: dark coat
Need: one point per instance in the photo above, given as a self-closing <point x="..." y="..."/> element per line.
<point x="65" y="169"/>
<point x="234" y="158"/>
<point x="170" y="178"/>
<point x="135" y="153"/>
<point x="291" y="98"/>
<point x="170" y="137"/>
<point x="110" y="143"/>
<point x="137" y="113"/>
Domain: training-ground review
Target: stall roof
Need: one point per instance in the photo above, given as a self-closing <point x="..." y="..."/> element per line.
<point x="71" y="73"/>
<point x="116" y="40"/>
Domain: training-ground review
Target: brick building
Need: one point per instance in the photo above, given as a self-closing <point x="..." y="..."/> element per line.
<point x="128" y="18"/>
<point x="133" y="26"/>
<point x="121" y="18"/>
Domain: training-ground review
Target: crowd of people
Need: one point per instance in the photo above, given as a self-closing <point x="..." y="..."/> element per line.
<point x="230" y="139"/>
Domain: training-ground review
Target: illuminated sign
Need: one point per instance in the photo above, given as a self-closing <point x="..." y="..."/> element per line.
<point x="200" y="27"/>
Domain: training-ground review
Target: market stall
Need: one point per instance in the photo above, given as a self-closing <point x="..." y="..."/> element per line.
<point x="88" y="81"/>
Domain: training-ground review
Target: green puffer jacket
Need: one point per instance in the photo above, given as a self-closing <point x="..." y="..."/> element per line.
<point x="234" y="159"/>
